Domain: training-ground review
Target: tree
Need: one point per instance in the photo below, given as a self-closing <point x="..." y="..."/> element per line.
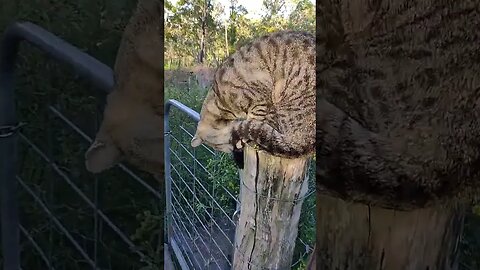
<point x="236" y="14"/>
<point x="187" y="29"/>
<point x="303" y="16"/>
<point x="203" y="36"/>
<point x="273" y="8"/>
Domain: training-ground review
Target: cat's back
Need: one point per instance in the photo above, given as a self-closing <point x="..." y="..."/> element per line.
<point x="138" y="67"/>
<point x="407" y="70"/>
<point x="278" y="50"/>
<point x="258" y="65"/>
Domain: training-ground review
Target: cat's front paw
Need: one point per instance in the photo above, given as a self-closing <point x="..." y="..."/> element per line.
<point x="239" y="144"/>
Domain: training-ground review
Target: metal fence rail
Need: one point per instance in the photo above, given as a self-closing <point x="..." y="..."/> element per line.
<point x="101" y="76"/>
<point x="201" y="196"/>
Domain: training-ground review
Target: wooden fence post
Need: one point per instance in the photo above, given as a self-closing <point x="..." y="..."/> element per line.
<point x="359" y="236"/>
<point x="272" y="193"/>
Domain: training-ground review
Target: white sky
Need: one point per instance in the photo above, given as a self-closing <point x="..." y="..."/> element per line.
<point x="254" y="7"/>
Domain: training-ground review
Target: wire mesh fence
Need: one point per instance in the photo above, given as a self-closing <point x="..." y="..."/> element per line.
<point x="202" y="198"/>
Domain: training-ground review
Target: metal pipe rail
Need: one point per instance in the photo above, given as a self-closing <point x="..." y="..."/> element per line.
<point x="87" y="67"/>
<point x="168" y="181"/>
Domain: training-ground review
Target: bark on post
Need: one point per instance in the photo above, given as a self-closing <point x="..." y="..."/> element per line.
<point x="272" y="193"/>
<point x="357" y="236"/>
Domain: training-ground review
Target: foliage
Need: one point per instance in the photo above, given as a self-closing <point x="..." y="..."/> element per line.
<point x="226" y="33"/>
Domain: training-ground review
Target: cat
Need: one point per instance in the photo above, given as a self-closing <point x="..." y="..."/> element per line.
<point x="263" y="95"/>
<point x="397" y="98"/>
<point x="132" y="126"/>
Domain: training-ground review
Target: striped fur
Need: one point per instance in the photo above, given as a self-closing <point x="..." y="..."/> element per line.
<point x="263" y="95"/>
<point x="398" y="100"/>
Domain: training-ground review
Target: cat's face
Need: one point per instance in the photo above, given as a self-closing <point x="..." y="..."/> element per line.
<point x="130" y="131"/>
<point x="215" y="127"/>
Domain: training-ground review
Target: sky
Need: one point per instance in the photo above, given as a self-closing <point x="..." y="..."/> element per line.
<point x="254" y="7"/>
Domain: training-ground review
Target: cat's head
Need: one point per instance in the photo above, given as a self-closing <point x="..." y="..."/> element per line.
<point x="215" y="127"/>
<point x="130" y="131"/>
<point x="216" y="131"/>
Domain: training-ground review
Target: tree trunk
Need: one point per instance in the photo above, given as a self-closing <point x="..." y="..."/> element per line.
<point x="358" y="236"/>
<point x="226" y="39"/>
<point x="271" y="196"/>
<point x="203" y="37"/>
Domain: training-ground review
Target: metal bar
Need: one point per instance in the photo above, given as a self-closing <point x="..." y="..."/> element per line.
<point x="181" y="259"/>
<point x="169" y="180"/>
<point x="168" y="184"/>
<point x="191" y="113"/>
<point x="84" y="65"/>
<point x="37" y="247"/>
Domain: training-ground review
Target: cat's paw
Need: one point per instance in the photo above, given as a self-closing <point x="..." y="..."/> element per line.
<point x="239" y="144"/>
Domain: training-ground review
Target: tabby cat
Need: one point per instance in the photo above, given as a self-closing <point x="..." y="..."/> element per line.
<point x="263" y="95"/>
<point x="398" y="100"/>
<point x="132" y="126"/>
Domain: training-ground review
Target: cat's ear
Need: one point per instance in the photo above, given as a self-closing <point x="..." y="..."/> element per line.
<point x="102" y="155"/>
<point x="196" y="141"/>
